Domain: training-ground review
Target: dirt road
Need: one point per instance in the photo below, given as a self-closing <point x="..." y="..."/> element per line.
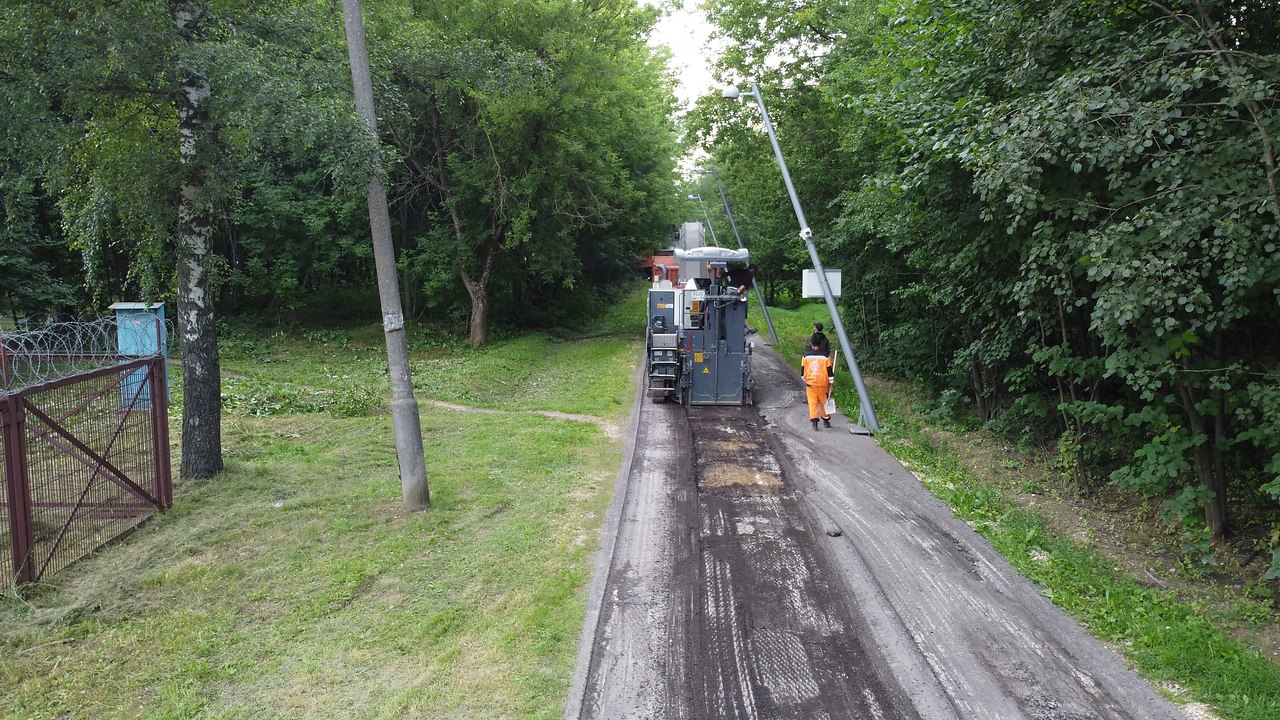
<point x="754" y="568"/>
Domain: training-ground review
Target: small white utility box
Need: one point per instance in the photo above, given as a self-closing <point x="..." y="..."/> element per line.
<point x="811" y="287"/>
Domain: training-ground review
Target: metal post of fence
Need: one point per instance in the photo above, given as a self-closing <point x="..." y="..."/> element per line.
<point x="160" y="433"/>
<point x="18" y="486"/>
<point x="160" y="417"/>
<point x="4" y="363"/>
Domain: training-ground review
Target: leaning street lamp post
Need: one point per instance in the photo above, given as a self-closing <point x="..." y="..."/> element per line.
<point x="773" y="336"/>
<point x="710" y="227"/>
<point x="868" y="413"/>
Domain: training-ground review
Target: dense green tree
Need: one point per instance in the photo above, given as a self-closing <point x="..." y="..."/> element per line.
<point x="31" y="248"/>
<point x="137" y="116"/>
<point x="786" y="50"/>
<point x="535" y="149"/>
<point x="29" y="255"/>
<point x="208" y="152"/>
<point x="1068" y="210"/>
<point x="1126" y="151"/>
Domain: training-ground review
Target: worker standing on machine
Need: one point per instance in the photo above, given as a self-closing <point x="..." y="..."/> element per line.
<point x="740" y="280"/>
<point x="816" y="369"/>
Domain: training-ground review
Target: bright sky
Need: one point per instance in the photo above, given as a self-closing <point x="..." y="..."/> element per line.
<point x="688" y="34"/>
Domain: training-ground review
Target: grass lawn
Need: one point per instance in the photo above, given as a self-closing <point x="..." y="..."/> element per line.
<point x="293" y="586"/>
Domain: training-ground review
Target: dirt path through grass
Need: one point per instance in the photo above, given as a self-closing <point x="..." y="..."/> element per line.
<point x="611" y="428"/>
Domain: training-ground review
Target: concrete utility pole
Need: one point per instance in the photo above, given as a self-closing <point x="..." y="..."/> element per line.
<point x="404" y="406"/>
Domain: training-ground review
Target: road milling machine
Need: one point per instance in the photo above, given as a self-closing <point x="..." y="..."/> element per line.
<point x="697" y="341"/>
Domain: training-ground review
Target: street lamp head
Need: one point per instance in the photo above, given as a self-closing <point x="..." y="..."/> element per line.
<point x="695" y="197"/>
<point x="732" y="93"/>
<point x="700" y="170"/>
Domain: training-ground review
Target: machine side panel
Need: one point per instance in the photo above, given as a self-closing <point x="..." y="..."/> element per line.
<point x="718" y="353"/>
<point x="733" y="350"/>
<point x="662" y="304"/>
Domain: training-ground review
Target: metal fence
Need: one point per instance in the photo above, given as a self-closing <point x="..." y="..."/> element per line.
<point x="85" y="444"/>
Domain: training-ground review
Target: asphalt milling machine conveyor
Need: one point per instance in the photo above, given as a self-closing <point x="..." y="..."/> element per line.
<point x="753" y="568"/>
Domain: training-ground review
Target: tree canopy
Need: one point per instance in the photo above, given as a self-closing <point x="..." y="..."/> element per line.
<point x="547" y="123"/>
<point x="535" y="149"/>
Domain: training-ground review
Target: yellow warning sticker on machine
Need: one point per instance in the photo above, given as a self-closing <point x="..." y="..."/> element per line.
<point x="706" y="371"/>
<point x="697" y="357"/>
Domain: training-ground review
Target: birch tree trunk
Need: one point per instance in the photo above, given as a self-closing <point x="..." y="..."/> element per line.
<point x="201" y="381"/>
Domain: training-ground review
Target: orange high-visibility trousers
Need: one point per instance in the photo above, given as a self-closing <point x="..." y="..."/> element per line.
<point x="816" y="370"/>
<point x="817" y="400"/>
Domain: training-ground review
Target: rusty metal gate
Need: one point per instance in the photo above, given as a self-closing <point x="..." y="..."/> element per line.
<point x="85" y="449"/>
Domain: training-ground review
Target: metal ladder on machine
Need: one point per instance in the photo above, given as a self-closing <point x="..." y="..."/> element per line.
<point x="664" y="362"/>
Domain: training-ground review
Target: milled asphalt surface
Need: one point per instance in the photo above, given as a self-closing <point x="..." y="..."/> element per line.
<point x="753" y="568"/>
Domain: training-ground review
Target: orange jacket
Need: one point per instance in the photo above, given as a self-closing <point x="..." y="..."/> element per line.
<point x="816" y="369"/>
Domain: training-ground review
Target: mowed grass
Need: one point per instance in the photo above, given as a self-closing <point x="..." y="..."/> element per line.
<point x="794" y="326"/>
<point x="294" y="586"/>
<point x="1166" y="640"/>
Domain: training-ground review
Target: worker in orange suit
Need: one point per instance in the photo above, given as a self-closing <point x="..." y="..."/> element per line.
<point x="818" y="375"/>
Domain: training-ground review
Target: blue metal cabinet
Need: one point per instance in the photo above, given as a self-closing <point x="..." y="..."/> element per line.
<point x="140" y="332"/>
